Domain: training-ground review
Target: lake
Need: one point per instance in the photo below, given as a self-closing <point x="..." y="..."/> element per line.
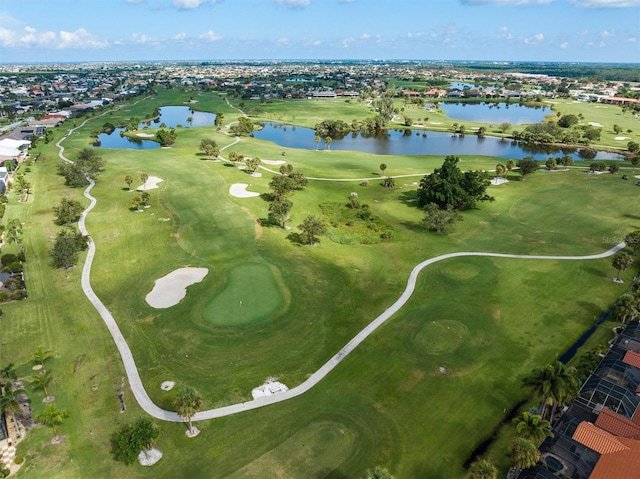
<point x="495" y="113"/>
<point x="413" y="142"/>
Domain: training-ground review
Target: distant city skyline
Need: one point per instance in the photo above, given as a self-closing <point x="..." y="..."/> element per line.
<point x="161" y="30"/>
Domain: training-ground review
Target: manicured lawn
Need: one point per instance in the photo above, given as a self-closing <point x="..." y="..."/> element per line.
<point x="418" y="396"/>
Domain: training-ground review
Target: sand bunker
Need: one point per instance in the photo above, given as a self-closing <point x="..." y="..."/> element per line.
<point x="273" y="162"/>
<point x="594" y="123"/>
<point x="499" y="181"/>
<point x="145" y="135"/>
<point x="170" y="289"/>
<point x="152" y="182"/>
<point x="620" y="138"/>
<point x="239" y="190"/>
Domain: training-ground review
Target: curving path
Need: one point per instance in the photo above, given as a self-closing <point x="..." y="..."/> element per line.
<point x="152" y="409"/>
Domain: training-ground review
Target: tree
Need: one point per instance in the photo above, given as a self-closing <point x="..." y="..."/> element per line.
<point x="377" y="473"/>
<point x="500" y="169"/>
<point x="166" y="137"/>
<point x="328" y="140"/>
<point x="252" y="164"/>
<point x="388" y="182"/>
<point x="627" y="307"/>
<point x="553" y="384"/>
<point x="440" y="220"/>
<point x="633" y="240"/>
<point x="68" y="244"/>
<point x="504" y="127"/>
<point x="567" y="161"/>
<point x="13" y="231"/>
<point x="41" y="355"/>
<point x="354" y="202"/>
<point x="244" y="126"/>
<point x="281" y="186"/>
<point x="87" y="166"/>
<point x="207" y="143"/>
<point x="41" y="381"/>
<point x="448" y="186"/>
<point x="617" y="129"/>
<point x="383" y="167"/>
<point x="136" y="202"/>
<point x="613" y="169"/>
<point x="8" y="402"/>
<point x="144" y="177"/>
<point x="280" y="211"/>
<point x="527" y="166"/>
<point x="51" y="417"/>
<point x="635" y="161"/>
<point x="8" y="373"/>
<point x="312" y="227"/>
<point x="187" y="404"/>
<point x="483" y="469"/>
<point x="567" y="121"/>
<point x="524" y="453"/>
<point x="621" y="261"/>
<point x="551" y="164"/>
<point x="144" y="198"/>
<point x="317" y="140"/>
<point x="130" y="439"/>
<point x="68" y="212"/>
<point x="128" y="180"/>
<point x="286" y="169"/>
<point x="532" y="426"/>
<point x="219" y="118"/>
<point x="384" y="107"/>
<point x="24" y="186"/>
<point x="510" y="165"/>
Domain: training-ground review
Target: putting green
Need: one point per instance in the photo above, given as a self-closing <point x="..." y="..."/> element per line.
<point x="313" y="451"/>
<point x="441" y="337"/>
<point x="252" y="294"/>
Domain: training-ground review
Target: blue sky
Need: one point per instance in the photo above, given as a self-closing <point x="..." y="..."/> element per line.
<point x="504" y="30"/>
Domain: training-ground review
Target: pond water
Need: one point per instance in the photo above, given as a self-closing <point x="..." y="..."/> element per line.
<point x="495" y="113"/>
<point x="412" y="142"/>
<point x="171" y="116"/>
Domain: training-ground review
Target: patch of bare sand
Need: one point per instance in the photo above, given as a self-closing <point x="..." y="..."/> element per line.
<point x="172" y="288"/>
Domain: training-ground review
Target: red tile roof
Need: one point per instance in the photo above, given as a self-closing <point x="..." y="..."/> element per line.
<point x="597" y="439"/>
<point x="623" y="464"/>
<point x="617" y="424"/>
<point x="632" y="358"/>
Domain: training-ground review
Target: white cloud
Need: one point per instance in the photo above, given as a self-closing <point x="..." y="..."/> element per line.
<point x="365" y="36"/>
<point x="179" y="37"/>
<point x="535" y="39"/>
<point x="210" y="36"/>
<point x="606" y="3"/>
<point x="191" y="4"/>
<point x="347" y="42"/>
<point x="294" y="3"/>
<point x="28" y="37"/>
<point x="632" y="39"/>
<point x="283" y="41"/>
<point x="564" y="46"/>
<point x="607" y="33"/>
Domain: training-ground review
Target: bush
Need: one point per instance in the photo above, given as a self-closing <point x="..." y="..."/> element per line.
<point x="8" y="258"/>
<point x="18" y="460"/>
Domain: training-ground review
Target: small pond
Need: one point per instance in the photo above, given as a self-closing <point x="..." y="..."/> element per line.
<point x="171" y="116"/>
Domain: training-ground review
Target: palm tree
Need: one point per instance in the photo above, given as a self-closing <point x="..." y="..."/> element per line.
<point x="144" y="177"/>
<point x="483" y="469"/>
<point x="41" y="381"/>
<point x="187" y="404"/>
<point x="128" y="180"/>
<point x="627" y="307"/>
<point x="383" y="167"/>
<point x="13" y="231"/>
<point x="8" y="372"/>
<point x="633" y="240"/>
<point x="377" y="473"/>
<point x="190" y="120"/>
<point x="51" y="417"/>
<point x="41" y="355"/>
<point x="621" y="261"/>
<point x="532" y="426"/>
<point x="510" y="165"/>
<point x="500" y="169"/>
<point x="144" y="198"/>
<point x="317" y="140"/>
<point x="136" y="202"/>
<point x="328" y="141"/>
<point x="8" y="402"/>
<point x="524" y="453"/>
<point x="553" y="384"/>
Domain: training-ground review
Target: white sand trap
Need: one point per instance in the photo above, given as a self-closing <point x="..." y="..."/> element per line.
<point x="273" y="162"/>
<point x="594" y="123"/>
<point x="620" y="138"/>
<point x="499" y="181"/>
<point x="637" y="176"/>
<point x="149" y="457"/>
<point x="239" y="190"/>
<point x="152" y="183"/>
<point x="269" y="388"/>
<point x="597" y="172"/>
<point x="167" y="385"/>
<point x="436" y="122"/>
<point x="170" y="289"/>
<point x="145" y="135"/>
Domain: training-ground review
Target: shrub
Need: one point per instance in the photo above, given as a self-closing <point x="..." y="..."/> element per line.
<point x="18" y="460"/>
<point x="8" y="258"/>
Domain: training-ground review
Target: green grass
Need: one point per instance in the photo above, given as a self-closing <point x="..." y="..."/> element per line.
<point x="388" y="403"/>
